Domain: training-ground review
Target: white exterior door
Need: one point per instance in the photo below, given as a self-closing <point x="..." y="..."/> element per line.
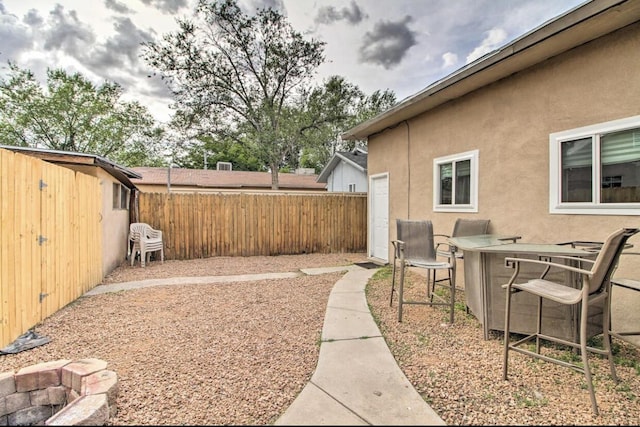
<point x="379" y="217"/>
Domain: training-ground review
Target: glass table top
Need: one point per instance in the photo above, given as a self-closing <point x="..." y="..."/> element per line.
<point x="481" y="241"/>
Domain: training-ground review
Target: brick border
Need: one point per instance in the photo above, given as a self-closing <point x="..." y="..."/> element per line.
<point x="61" y="392"/>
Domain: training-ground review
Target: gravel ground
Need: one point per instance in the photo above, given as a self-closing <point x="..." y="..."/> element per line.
<point x="240" y="353"/>
<point x="460" y="374"/>
<point x="218" y="354"/>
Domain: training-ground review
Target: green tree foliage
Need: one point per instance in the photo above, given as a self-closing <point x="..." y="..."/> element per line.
<point x="74" y="115"/>
<point x="331" y="109"/>
<point x="206" y="152"/>
<point x="239" y="76"/>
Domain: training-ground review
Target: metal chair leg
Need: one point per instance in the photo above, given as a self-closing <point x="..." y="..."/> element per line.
<point x="606" y="334"/>
<point x="453" y="298"/>
<point x="585" y="357"/>
<point x="393" y="283"/>
<point x="401" y="292"/>
<point x="507" y="320"/>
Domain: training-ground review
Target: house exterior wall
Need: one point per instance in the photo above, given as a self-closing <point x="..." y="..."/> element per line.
<point x="509" y="122"/>
<point x="115" y="222"/>
<point x="150" y="188"/>
<point x="343" y="175"/>
<point x="115" y="228"/>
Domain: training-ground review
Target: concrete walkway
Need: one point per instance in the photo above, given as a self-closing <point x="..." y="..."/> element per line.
<point x="357" y="381"/>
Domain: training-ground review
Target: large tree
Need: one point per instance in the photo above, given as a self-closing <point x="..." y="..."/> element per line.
<point x="239" y="76"/>
<point x="72" y="114"/>
<point x="311" y="129"/>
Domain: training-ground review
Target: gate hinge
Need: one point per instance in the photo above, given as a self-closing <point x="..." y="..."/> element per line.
<point x="42" y="296"/>
<point x="42" y="184"/>
<point x="41" y="240"/>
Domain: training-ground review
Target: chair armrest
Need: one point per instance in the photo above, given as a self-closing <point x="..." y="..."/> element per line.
<point x="634" y="285"/>
<point x="574" y="258"/>
<point x="591" y="246"/>
<point x="586" y="245"/>
<point x="438" y="244"/>
<point x="448" y="250"/>
<point x="398" y="246"/>
<point x="154" y="234"/>
<point x="397" y="243"/>
<point x="512" y="262"/>
<point x="446" y="236"/>
<point x="624" y="282"/>
<point x="512" y="238"/>
<point x="575" y="243"/>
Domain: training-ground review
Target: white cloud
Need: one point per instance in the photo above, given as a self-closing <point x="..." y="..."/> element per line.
<point x="494" y="39"/>
<point x="449" y="59"/>
<point x="100" y="38"/>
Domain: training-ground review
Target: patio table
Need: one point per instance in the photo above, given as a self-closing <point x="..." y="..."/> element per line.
<point x="485" y="273"/>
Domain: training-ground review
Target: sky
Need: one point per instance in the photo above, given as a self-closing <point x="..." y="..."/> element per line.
<point x="397" y="45"/>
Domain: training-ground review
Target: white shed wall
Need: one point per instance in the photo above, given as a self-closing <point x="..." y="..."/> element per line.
<point x="345" y="174"/>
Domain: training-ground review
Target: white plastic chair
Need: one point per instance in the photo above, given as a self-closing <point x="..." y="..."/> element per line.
<point x="143" y="240"/>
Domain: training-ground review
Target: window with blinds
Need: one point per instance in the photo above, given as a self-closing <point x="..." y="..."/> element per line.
<point x="597" y="168"/>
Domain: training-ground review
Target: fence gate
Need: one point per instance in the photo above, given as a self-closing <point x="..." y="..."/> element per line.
<point x="20" y="250"/>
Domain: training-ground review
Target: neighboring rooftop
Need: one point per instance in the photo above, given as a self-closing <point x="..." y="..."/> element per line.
<point x="224" y="179"/>
<point x="357" y="158"/>
<point x="121" y="173"/>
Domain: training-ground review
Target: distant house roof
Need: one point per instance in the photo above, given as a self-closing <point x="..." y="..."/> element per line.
<point x="207" y="178"/>
<point x="577" y="26"/>
<point x="121" y="173"/>
<point x="356" y="158"/>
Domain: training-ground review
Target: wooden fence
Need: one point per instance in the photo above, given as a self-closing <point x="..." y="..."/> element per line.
<point x="206" y="225"/>
<point x="50" y="240"/>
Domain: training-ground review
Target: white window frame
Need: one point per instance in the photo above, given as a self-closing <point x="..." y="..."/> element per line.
<point x="556" y="206"/>
<point x="352" y="188"/>
<point x="224" y="166"/>
<point x="473" y="156"/>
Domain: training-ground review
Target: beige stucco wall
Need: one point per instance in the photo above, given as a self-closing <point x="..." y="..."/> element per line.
<point x="150" y="188"/>
<point x="115" y="222"/>
<point x="509" y="122"/>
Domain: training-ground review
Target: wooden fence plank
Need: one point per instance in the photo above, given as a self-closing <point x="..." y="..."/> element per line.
<point x="7" y="243"/>
<point x="201" y="225"/>
<point x="50" y="276"/>
<point x="28" y="203"/>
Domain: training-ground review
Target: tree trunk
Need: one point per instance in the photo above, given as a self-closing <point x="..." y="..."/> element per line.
<point x="274" y="178"/>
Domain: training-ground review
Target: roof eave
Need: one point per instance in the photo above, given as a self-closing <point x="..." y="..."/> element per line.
<point x="335" y="160"/>
<point x="577" y="26"/>
<point x="121" y="173"/>
<point x="324" y="174"/>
